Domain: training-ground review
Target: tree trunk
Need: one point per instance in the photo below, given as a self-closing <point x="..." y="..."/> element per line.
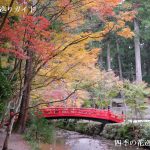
<point x="20" y="125"/>
<point x="5" y="145"/>
<point x="0" y="61"/>
<point x="8" y="132"/>
<point x="108" y="57"/>
<point x="137" y="52"/>
<point x="100" y="61"/>
<point x="119" y="60"/>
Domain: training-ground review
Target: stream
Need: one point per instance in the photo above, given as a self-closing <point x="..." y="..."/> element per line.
<point x="69" y="140"/>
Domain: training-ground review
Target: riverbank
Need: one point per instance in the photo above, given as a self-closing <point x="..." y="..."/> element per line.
<point x="129" y="134"/>
<point x="16" y="142"/>
<point x="126" y="133"/>
<point x="82" y="133"/>
<point x="70" y="140"/>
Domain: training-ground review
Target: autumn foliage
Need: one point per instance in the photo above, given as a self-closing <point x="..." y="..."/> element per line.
<point x="34" y="33"/>
<point x="48" y="46"/>
<point x="28" y="33"/>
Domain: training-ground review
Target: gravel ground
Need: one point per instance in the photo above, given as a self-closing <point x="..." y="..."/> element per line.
<point x="16" y="142"/>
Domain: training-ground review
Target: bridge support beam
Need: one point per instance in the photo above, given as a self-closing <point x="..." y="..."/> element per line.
<point x="102" y="127"/>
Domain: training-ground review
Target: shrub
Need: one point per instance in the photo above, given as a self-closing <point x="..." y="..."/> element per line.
<point x="39" y="129"/>
<point x="129" y="131"/>
<point x="146" y="131"/>
<point x="135" y="97"/>
<point x="5" y="90"/>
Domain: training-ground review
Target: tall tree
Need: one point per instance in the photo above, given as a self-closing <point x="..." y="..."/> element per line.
<point x="137" y="51"/>
<point x="108" y="57"/>
<point x="119" y="59"/>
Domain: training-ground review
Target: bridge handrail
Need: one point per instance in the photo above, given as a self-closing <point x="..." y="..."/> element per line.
<point x="85" y="112"/>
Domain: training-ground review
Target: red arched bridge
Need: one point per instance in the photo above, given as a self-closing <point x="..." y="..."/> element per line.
<point x="105" y="116"/>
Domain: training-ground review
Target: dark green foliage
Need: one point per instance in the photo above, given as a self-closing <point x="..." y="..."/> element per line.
<point x="5" y="86"/>
<point x="68" y="124"/>
<point x="147" y="79"/>
<point x="146" y="131"/>
<point x="124" y="131"/>
<point x="57" y="26"/>
<point x="81" y="127"/>
<point x="39" y="129"/>
<point x="129" y="131"/>
<point x="5" y="89"/>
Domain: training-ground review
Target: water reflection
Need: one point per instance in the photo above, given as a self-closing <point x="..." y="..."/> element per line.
<point x="58" y="144"/>
<point x="66" y="140"/>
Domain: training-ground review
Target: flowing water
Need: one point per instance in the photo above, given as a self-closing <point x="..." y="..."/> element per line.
<point x="68" y="140"/>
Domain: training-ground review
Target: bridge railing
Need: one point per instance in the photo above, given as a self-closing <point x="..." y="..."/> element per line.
<point x="80" y="112"/>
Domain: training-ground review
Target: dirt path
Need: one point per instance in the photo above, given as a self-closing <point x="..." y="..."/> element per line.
<point x="16" y="142"/>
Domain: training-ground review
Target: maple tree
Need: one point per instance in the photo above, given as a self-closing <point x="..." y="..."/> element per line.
<point x="41" y="50"/>
<point x="63" y="57"/>
<point x="51" y="55"/>
<point x="26" y="33"/>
